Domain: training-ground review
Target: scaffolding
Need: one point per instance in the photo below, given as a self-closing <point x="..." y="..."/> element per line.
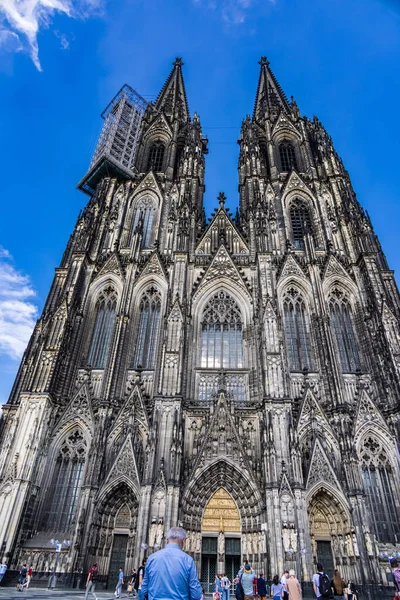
<point x="116" y="148"/>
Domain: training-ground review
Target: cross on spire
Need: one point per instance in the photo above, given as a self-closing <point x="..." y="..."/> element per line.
<point x="264" y="61"/>
<point x="222" y="198"/>
<point x="178" y="62"/>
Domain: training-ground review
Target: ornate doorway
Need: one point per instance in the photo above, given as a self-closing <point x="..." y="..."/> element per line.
<point x="221" y="541"/>
<point x="117" y="560"/>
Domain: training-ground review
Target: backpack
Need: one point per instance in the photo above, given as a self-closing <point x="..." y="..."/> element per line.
<point x="324" y="586"/>
<point x="95" y="572"/>
<point x="239" y="591"/>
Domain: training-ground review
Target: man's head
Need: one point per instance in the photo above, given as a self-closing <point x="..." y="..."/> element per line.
<point x="95" y="566"/>
<point x="176" y="535"/>
<point x="247" y="567"/>
<point x="394" y="563"/>
<point x="286" y="573"/>
<point x="143" y="562"/>
<point x="120" y="569"/>
<point x="320" y="568"/>
<point x="261" y="575"/>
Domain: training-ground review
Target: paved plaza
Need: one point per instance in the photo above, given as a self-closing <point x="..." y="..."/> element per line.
<point x="41" y="594"/>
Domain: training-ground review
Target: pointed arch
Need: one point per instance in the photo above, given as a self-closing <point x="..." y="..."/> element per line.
<point x="148" y="328"/>
<point x="331" y="506"/>
<point x="222" y="333"/>
<point x="297" y="330"/>
<point x="66" y="467"/>
<point x="221" y="513"/>
<point x="342" y="325"/>
<point x="221" y="474"/>
<point x="103" y="329"/>
<point x="380" y="479"/>
<point x="287" y="155"/>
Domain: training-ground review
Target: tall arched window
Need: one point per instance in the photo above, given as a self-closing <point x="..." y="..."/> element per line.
<point x="297" y="331"/>
<point x="288" y="156"/>
<point x="301" y="222"/>
<point x="156" y="156"/>
<point x="222" y="334"/>
<point x="143" y="219"/>
<point x="343" y="331"/>
<point x="380" y="488"/>
<point x="146" y="343"/>
<point x="63" y="492"/>
<point x="103" y="329"/>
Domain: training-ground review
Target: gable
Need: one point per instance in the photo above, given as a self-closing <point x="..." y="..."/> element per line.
<point x="112" y="265"/>
<point x="153" y="266"/>
<point x="291" y="268"/>
<point x="125" y="465"/>
<point x="221" y="228"/>
<point x="320" y="470"/>
<point x="222" y="265"/>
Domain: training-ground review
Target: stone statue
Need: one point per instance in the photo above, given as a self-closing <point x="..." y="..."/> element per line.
<point x="286" y="538"/>
<point x="198" y="542"/>
<point x="244" y="545"/>
<point x="313" y="546"/>
<point x="349" y="545"/>
<point x="293" y="539"/>
<point x="335" y="545"/>
<point x="152" y="533"/>
<point x="254" y="540"/>
<point x="368" y="542"/>
<point x="342" y="546"/>
<point x="159" y="532"/>
<point x="221" y="543"/>
<point x="355" y="544"/>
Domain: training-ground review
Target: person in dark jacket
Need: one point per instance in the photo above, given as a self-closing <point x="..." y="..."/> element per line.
<point x="262" y="587"/>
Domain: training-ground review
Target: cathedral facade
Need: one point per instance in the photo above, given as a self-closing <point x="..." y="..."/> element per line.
<point x="238" y="376"/>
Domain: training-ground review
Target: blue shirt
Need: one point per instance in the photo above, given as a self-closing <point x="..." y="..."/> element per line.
<point x="120" y="576"/>
<point x="171" y="575"/>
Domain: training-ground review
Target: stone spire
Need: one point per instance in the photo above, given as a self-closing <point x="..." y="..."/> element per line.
<point x="270" y="97"/>
<point x="172" y="99"/>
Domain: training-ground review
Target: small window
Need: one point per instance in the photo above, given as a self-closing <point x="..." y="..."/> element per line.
<point x="301" y="222"/>
<point x="156" y="157"/>
<point x="288" y="156"/>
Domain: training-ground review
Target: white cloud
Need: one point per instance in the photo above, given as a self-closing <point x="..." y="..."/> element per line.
<point x="17" y="313"/>
<point x="233" y="12"/>
<point x="26" y="17"/>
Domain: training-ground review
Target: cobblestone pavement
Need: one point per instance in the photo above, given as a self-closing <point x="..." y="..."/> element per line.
<point x="43" y="594"/>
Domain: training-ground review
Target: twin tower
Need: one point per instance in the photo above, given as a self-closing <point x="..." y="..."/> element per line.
<point x="240" y="377"/>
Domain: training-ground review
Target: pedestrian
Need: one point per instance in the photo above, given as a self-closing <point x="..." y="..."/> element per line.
<point x="277" y="588"/>
<point x="396" y="575"/>
<point x="140" y="576"/>
<point x="351" y="591"/>
<point x="293" y="586"/>
<point x="3" y="569"/>
<point x="262" y="587"/>
<point x="217" y="587"/>
<point x="131" y="583"/>
<point x="321" y="583"/>
<point x="226" y="584"/>
<point x="29" y="577"/>
<point x="91" y="580"/>
<point x="120" y="583"/>
<point x="171" y="573"/>
<point x="338" y="585"/>
<point x="284" y="579"/>
<point x="247" y="578"/>
<point x="22" y="579"/>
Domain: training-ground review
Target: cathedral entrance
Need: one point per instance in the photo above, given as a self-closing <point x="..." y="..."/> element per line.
<point x="117" y="559"/>
<point x="221" y="542"/>
<point x="331" y="538"/>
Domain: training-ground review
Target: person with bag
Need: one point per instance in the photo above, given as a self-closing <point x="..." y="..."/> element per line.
<point x="217" y="594"/>
<point x="29" y="577"/>
<point x="22" y="579"/>
<point x="338" y="585"/>
<point x="396" y="575"/>
<point x="237" y="582"/>
<point x="351" y="591"/>
<point x="91" y="580"/>
<point x="321" y="583"/>
<point x="131" y="583"/>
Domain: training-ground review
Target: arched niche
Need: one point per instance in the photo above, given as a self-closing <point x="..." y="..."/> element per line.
<point x="221" y="514"/>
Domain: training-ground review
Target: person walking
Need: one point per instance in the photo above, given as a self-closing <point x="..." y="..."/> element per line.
<point x="396" y="575"/>
<point x="3" y="569"/>
<point x="277" y="588"/>
<point x="284" y="579"/>
<point x="22" y="579"/>
<point x="226" y="584"/>
<point x="321" y="583"/>
<point x="247" y="577"/>
<point x="171" y="573"/>
<point x="91" y="581"/>
<point x="293" y="586"/>
<point x="120" y="583"/>
<point x="29" y="577"/>
<point x="217" y="587"/>
<point x="131" y="583"/>
<point x="140" y="576"/>
<point x="338" y="585"/>
<point x="262" y="587"/>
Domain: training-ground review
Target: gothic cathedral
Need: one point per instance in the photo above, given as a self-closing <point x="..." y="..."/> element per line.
<point x="238" y="376"/>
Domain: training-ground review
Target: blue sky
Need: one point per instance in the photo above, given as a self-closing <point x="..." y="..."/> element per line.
<point x="61" y="61"/>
